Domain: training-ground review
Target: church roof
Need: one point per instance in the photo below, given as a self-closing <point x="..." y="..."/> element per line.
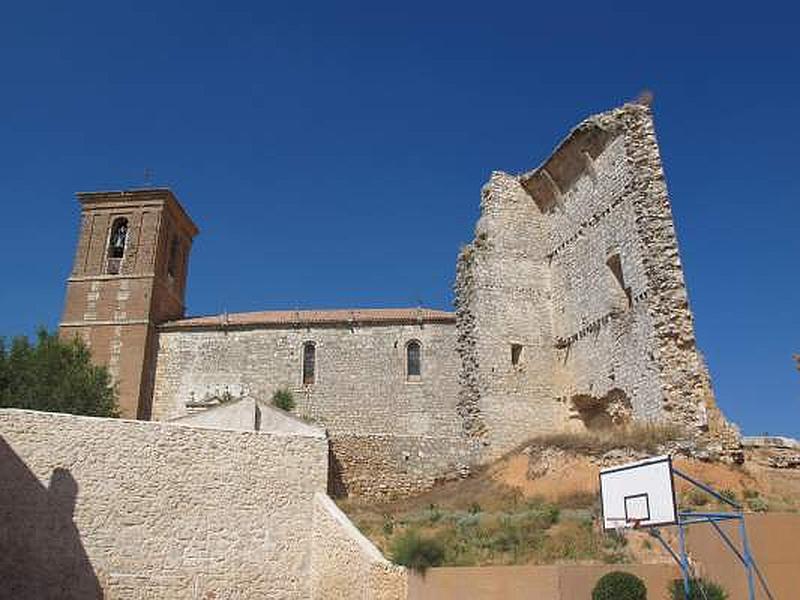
<point x="344" y="316"/>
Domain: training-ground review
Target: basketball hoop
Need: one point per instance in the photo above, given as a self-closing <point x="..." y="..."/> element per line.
<point x="641" y="495"/>
<point x="638" y="495"/>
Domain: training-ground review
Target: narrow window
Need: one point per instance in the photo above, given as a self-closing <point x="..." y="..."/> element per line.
<point x="516" y="354"/>
<point x="116" y="244"/>
<point x="413" y="360"/>
<point x="174" y="251"/>
<point x="309" y="358"/>
<point x="614" y="263"/>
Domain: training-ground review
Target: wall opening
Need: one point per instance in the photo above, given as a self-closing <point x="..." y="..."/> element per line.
<point x="174" y="256"/>
<point x="309" y="363"/>
<point x="614" y="263"/>
<point x="516" y="354"/>
<point x="413" y="360"/>
<point x="117" y="241"/>
<point x="605" y="412"/>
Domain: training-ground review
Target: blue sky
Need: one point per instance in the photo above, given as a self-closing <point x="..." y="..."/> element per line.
<point x="332" y="153"/>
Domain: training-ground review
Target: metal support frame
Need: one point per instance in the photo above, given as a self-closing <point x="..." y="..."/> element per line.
<point x="686" y="518"/>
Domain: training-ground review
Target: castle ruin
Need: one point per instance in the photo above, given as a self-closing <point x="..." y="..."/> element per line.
<point x="571" y="314"/>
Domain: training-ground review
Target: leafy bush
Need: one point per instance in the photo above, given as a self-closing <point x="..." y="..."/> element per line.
<point x="619" y="585"/>
<point x="54" y="375"/>
<point x="728" y="494"/>
<point x="697" y="498"/>
<point x="416" y="552"/>
<point x="699" y="589"/>
<point x="758" y="505"/>
<point x="283" y="399"/>
<point x="749" y="494"/>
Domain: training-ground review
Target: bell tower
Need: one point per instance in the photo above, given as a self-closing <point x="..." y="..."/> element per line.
<point x="128" y="277"/>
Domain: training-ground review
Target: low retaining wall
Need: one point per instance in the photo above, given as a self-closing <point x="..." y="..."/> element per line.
<point x="773" y="542"/>
<point x="385" y="467"/>
<point x="573" y="582"/>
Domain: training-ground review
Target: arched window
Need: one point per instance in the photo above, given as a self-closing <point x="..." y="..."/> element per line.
<point x="118" y="238"/>
<point x="413" y="360"/>
<point x="116" y="244"/>
<point x="309" y="363"/>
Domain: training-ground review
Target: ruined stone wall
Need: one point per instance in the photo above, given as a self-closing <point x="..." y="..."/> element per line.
<point x="603" y="331"/>
<point x="345" y="564"/>
<point x="577" y="262"/>
<point x="503" y="299"/>
<point x="150" y="510"/>
<point x="361" y="393"/>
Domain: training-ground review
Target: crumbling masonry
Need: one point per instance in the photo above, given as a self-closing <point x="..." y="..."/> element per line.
<point x="577" y="262"/>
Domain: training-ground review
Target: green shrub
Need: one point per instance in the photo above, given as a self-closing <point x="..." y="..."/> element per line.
<point x="699" y="589"/>
<point x="758" y="505"/>
<point x="729" y="495"/>
<point x="416" y="552"/>
<point x="750" y="494"/>
<point x="619" y="585"/>
<point x="697" y="498"/>
<point x="283" y="399"/>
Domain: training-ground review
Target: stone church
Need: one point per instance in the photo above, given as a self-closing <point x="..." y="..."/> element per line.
<point x="571" y="313"/>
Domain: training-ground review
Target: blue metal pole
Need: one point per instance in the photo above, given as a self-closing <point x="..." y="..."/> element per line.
<point x="748" y="559"/>
<point x="684" y="560"/>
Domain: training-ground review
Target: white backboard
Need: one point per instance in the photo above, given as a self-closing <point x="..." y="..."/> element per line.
<point x="640" y="493"/>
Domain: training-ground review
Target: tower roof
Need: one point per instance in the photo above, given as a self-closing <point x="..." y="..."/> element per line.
<point x="155" y="195"/>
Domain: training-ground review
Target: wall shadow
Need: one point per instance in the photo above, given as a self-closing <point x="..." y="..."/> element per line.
<point x="41" y="554"/>
<point x="337" y="488"/>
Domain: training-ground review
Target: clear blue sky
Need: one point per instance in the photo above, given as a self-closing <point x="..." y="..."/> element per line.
<point x="332" y="153"/>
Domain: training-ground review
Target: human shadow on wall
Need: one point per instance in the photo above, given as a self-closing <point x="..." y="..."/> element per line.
<point x="41" y="554"/>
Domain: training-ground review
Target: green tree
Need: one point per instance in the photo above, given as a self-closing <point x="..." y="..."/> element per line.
<point x="54" y="375"/>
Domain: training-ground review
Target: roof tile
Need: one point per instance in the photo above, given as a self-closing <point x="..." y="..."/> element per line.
<point x="315" y="317"/>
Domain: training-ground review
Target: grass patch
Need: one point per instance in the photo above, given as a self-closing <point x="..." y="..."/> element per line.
<point x="649" y="438"/>
<point x="532" y="532"/>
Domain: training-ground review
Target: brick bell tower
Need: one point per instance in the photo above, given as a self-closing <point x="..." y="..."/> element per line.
<point x="129" y="276"/>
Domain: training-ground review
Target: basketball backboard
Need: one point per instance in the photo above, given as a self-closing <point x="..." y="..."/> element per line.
<point x="638" y="494"/>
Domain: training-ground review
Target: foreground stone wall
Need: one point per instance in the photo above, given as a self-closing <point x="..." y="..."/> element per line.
<point x="390" y="436"/>
<point x="149" y="510"/>
<point x="345" y="564"/>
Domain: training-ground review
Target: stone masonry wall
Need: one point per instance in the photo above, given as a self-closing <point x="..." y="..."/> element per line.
<point x="345" y="564"/>
<point x="603" y="331"/>
<point x="502" y="299"/>
<point x="576" y="263"/>
<point x="150" y="510"/>
<point x="389" y="435"/>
